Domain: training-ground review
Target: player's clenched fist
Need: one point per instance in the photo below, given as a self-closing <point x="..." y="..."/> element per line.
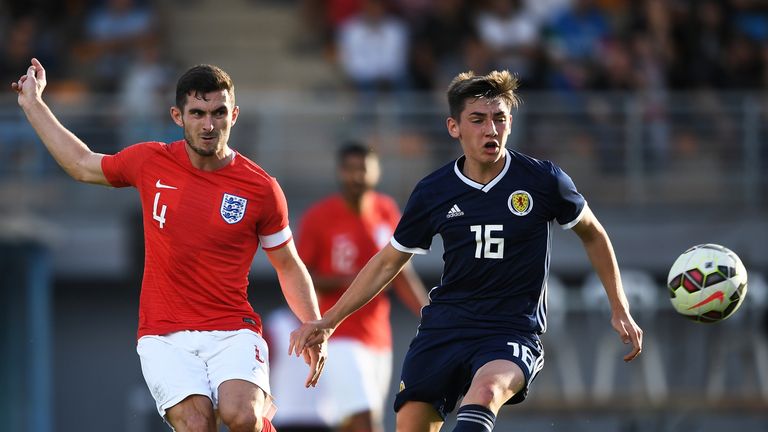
<point x="31" y="84"/>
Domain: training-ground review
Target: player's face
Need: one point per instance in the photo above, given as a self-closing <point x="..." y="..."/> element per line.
<point x="207" y="120"/>
<point x="358" y="174"/>
<point x="482" y="129"/>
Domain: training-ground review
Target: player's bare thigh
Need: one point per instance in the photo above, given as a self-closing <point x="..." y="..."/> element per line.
<point x="416" y="416"/>
<point x="194" y="413"/>
<point x="494" y="384"/>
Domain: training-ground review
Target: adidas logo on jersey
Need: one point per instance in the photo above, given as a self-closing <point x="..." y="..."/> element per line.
<point x="454" y="211"/>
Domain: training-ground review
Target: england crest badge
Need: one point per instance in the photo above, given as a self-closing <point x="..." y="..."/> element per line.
<point x="233" y="208"/>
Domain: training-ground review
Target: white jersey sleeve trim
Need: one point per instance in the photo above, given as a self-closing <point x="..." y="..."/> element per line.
<point x="401" y="248"/>
<point x="576" y="220"/>
<point x="277" y="239"/>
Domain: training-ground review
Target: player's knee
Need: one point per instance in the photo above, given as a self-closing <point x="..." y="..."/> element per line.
<point x="241" y="420"/>
<point x="193" y="421"/>
<point x="482" y="395"/>
<point x="489" y="393"/>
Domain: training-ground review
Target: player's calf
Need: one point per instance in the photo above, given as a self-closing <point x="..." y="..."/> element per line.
<point x="474" y="418"/>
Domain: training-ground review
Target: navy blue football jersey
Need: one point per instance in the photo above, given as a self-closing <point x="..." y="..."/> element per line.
<point x="497" y="240"/>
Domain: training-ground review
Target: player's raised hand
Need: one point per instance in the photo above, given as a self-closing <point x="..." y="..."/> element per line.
<point x="30" y="85"/>
<point x="629" y="332"/>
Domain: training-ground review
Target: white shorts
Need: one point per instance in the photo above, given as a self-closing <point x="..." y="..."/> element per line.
<point x="297" y="405"/>
<point x="187" y="363"/>
<point x="356" y="378"/>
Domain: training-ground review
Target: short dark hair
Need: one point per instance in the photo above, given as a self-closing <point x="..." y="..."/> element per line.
<point x="203" y="78"/>
<point x="467" y="85"/>
<point x="353" y="148"/>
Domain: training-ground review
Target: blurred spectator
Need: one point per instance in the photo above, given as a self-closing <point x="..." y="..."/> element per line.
<point x="25" y="37"/>
<point x="742" y="63"/>
<point x="440" y="39"/>
<point x="576" y="40"/>
<point x="413" y="10"/>
<point x="615" y="70"/>
<point x="703" y="36"/>
<point x="144" y="92"/>
<point x="114" y="34"/>
<point x="512" y="35"/>
<point x="750" y="17"/>
<point x="579" y="32"/>
<point x="544" y="11"/>
<point x="339" y="11"/>
<point x="587" y="54"/>
<point x="653" y="19"/>
<point x="322" y="18"/>
<point x="373" y="49"/>
<point x="700" y="34"/>
<point x="653" y="98"/>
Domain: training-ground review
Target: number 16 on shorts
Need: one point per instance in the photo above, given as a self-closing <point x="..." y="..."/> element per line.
<point x="525" y="354"/>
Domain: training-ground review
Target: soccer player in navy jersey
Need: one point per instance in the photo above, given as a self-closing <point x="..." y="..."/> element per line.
<point x="494" y="209"/>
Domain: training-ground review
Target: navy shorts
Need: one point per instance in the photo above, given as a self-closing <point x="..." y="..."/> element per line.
<point x="440" y="364"/>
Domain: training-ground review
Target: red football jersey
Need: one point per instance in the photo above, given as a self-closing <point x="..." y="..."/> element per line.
<point x="335" y="241"/>
<point x="201" y="231"/>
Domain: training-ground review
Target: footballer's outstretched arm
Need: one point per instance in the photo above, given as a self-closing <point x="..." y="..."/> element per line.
<point x="377" y="273"/>
<point x="601" y="255"/>
<point x="300" y="296"/>
<point x="68" y="150"/>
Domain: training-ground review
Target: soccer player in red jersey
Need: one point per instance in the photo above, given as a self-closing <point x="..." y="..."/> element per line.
<point x="206" y="209"/>
<point x="336" y="237"/>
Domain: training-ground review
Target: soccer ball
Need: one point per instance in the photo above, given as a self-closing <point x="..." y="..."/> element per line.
<point x="707" y="283"/>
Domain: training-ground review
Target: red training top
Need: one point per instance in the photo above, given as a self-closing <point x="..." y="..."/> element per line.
<point x="201" y="231"/>
<point x="335" y="241"/>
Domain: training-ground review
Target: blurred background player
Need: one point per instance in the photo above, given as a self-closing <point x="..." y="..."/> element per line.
<point x="200" y="344"/>
<point x="494" y="208"/>
<point x="337" y="236"/>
